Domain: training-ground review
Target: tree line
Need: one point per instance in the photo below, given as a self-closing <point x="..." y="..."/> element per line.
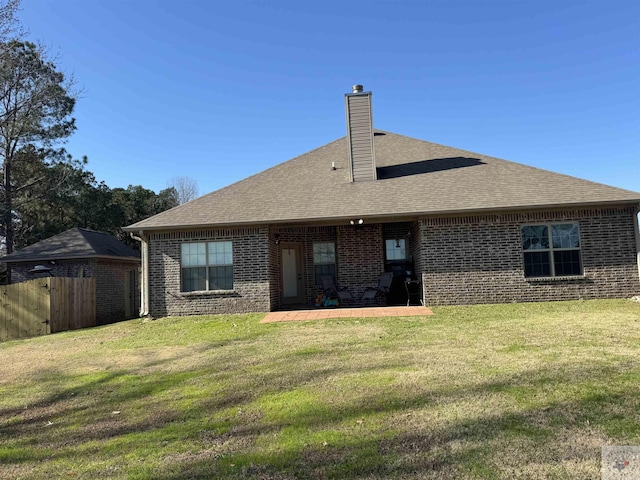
<point x="43" y="189"/>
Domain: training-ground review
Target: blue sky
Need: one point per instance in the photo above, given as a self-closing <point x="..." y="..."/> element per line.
<point x="217" y="91"/>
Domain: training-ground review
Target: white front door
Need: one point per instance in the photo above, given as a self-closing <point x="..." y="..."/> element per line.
<point x="292" y="285"/>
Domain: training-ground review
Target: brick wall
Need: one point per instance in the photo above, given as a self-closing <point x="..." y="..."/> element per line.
<point x="110" y="290"/>
<point x="359" y="257"/>
<point x="305" y="236"/>
<point x="479" y="259"/>
<point x="360" y="253"/>
<point x="416" y="243"/>
<point x="251" y="290"/>
<point x="61" y="268"/>
<point x="275" y="274"/>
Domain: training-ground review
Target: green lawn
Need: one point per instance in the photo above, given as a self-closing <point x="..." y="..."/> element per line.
<point x="501" y="391"/>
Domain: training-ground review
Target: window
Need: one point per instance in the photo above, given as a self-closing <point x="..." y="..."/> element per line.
<point x="396" y="249"/>
<point x="324" y="261"/>
<point x="551" y="250"/>
<point x="207" y="266"/>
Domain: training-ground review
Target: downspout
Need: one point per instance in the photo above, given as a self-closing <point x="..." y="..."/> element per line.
<point x="636" y="228"/>
<point x="144" y="281"/>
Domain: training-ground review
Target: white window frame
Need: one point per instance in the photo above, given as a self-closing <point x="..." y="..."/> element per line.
<point x="206" y="265"/>
<point x="550" y="250"/>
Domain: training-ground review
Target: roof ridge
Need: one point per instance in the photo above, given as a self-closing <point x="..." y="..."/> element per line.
<point x="88" y="230"/>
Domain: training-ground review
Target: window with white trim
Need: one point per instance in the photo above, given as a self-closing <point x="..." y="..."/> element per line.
<point x="207" y="266"/>
<point x="324" y="261"/>
<point x="551" y="250"/>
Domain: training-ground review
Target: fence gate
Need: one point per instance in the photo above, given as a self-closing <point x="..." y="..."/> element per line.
<point x="24" y="309"/>
<point x="46" y="305"/>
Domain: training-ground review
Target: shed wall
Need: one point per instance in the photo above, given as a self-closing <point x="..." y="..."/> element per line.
<point x="111" y="290"/>
<point x="110" y="282"/>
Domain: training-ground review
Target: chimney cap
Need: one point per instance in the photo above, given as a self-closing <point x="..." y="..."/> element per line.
<point x="357" y="89"/>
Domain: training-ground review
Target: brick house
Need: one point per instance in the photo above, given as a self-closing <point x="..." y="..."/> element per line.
<point x="467" y="228"/>
<point x="79" y="252"/>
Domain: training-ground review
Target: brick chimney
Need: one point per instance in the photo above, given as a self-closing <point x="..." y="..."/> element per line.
<point x="362" y="160"/>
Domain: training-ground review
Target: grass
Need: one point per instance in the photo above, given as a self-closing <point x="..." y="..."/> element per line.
<point x="497" y="391"/>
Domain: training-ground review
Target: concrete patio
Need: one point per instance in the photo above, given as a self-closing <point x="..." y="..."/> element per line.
<point x="323" y="313"/>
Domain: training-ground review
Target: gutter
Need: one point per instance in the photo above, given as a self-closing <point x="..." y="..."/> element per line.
<point x="144" y="280"/>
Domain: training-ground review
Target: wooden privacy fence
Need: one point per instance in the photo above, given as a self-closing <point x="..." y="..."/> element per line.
<point x="46" y="305"/>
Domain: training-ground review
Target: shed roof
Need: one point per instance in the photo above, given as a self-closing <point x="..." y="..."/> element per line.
<point x="415" y="177"/>
<point x="75" y="243"/>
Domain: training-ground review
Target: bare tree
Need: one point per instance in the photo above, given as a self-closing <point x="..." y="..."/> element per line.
<point x="10" y="26"/>
<point x="186" y="189"/>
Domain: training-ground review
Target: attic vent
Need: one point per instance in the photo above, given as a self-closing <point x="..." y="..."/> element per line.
<point x="360" y="135"/>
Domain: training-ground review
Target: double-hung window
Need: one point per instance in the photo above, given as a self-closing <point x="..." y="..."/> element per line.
<point x="207" y="266"/>
<point x="324" y="261"/>
<point x="551" y="250"/>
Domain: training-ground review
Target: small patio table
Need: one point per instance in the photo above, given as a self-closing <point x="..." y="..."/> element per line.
<point x="414" y="290"/>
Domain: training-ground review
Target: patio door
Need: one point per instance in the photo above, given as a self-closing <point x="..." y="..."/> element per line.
<point x="292" y="280"/>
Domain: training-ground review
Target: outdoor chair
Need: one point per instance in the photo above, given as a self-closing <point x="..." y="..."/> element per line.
<point x="330" y="290"/>
<point x="383" y="288"/>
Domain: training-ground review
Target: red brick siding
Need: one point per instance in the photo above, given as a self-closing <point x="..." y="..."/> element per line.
<point x="275" y="282"/>
<point x="479" y="259"/>
<point x="251" y="290"/>
<point x="360" y="253"/>
<point x="304" y="236"/>
<point x="110" y="290"/>
<point x="416" y="242"/>
<point x="359" y="257"/>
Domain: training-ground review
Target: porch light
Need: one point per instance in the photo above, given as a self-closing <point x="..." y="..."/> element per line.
<point x="276" y="239"/>
<point x="356" y="222"/>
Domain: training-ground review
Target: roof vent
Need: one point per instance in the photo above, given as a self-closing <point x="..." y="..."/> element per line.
<point x="362" y="160"/>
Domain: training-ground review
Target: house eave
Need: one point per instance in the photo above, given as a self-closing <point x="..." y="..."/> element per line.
<point x="387" y="217"/>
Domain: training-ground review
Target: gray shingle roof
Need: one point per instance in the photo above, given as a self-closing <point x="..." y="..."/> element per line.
<point x="74" y="243"/>
<point x="415" y="177"/>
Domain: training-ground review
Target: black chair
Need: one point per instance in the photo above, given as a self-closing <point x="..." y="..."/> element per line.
<point x="383" y="288"/>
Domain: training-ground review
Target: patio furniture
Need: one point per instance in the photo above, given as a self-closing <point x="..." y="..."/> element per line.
<point x="384" y="286"/>
<point x="330" y="290"/>
<point x="414" y="291"/>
